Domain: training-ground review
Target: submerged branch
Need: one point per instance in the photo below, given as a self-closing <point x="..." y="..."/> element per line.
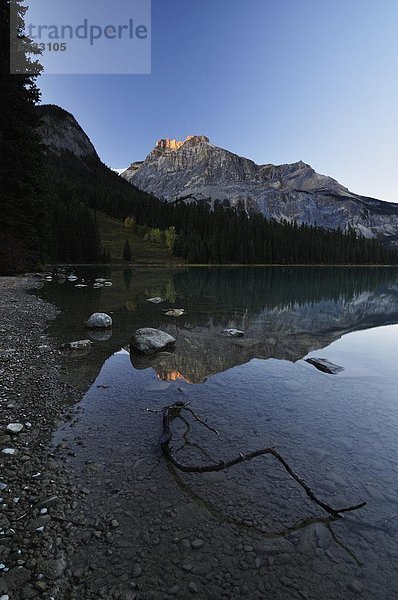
<point x="172" y="411"/>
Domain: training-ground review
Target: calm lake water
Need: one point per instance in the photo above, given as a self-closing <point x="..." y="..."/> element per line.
<point x="249" y="531"/>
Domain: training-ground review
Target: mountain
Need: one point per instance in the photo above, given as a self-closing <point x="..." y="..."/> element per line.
<point x="62" y="133"/>
<point x="77" y="186"/>
<point x="195" y="169"/>
<point x="71" y="158"/>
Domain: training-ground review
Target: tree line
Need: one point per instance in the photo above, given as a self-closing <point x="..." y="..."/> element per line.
<point x="222" y="234"/>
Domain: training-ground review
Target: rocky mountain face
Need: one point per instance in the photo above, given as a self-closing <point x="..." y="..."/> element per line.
<point x="62" y="133"/>
<point x="195" y="169"/>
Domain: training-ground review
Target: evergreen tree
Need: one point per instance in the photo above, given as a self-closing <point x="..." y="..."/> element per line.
<point x="22" y="206"/>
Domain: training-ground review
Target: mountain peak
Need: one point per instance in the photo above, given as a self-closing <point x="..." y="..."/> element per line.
<point x="62" y="133"/>
<point x="168" y="144"/>
<point x="165" y="144"/>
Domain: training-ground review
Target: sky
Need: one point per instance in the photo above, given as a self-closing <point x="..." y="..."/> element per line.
<point x="276" y="81"/>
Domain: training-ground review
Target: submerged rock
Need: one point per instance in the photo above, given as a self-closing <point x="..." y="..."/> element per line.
<point x="232" y="332"/>
<point x="324" y="365"/>
<point x="149" y="340"/>
<point x="99" y="320"/>
<point x="175" y="312"/>
<point x="80" y="346"/>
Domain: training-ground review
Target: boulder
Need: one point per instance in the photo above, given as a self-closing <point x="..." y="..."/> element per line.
<point x="149" y="341"/>
<point x="99" y="321"/>
<point x="324" y="365"/>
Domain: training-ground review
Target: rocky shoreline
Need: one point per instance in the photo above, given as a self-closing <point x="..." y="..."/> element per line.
<point x="34" y="492"/>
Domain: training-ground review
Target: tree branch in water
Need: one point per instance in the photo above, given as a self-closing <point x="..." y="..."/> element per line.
<point x="173" y="410"/>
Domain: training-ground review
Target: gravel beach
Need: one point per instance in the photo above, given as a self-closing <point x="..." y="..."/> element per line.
<point x="34" y="398"/>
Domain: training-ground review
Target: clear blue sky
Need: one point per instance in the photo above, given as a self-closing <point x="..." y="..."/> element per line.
<point x="274" y="80"/>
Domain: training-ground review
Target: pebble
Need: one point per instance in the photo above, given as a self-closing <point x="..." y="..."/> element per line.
<point x="192" y="587"/>
<point x="137" y="570"/>
<point x="355" y="586"/>
<point x="15" y="427"/>
<point x="196" y="544"/>
<point x="173" y="591"/>
<point x="3" y="486"/>
<point x="115" y="523"/>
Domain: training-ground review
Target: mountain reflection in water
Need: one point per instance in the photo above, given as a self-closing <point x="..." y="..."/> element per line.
<point x="285" y="312"/>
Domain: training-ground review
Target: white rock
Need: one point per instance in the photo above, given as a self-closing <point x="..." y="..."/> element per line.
<point x="72" y="278"/>
<point x="15" y="427"/>
<point x="80" y="285"/>
<point x="107" y="283"/>
<point x="155" y="300"/>
<point x="98" y="285"/>
<point x="148" y="340"/>
<point x="9" y="451"/>
<point x="99" y="320"/>
<point x="78" y="345"/>
<point x="99" y="280"/>
<point x="232" y="332"/>
<point x="175" y="312"/>
<point x="3" y="486"/>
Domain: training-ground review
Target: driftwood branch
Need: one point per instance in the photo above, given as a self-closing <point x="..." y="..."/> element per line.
<point x="173" y="411"/>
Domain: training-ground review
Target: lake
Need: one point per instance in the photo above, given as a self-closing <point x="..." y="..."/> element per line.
<point x="248" y="531"/>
